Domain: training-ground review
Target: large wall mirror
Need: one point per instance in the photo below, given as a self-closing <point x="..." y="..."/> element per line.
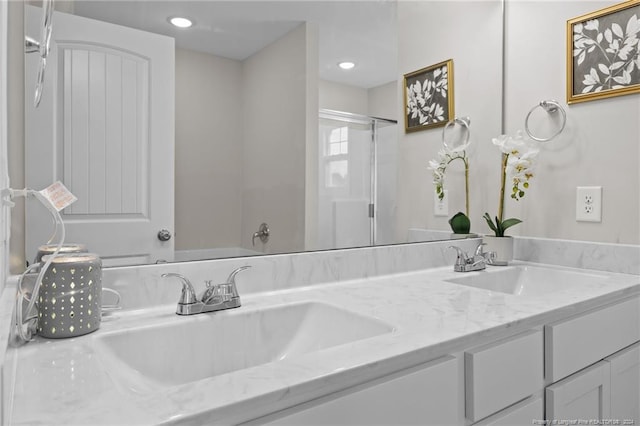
<point x="180" y="143"/>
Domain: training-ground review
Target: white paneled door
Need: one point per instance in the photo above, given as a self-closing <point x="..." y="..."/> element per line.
<point x="105" y="128"/>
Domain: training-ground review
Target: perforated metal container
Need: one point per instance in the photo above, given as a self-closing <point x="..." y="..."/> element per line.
<point x="70" y="297"/>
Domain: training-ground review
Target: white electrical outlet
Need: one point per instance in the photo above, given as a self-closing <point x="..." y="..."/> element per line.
<point x="589" y="204"/>
<point x="441" y="207"/>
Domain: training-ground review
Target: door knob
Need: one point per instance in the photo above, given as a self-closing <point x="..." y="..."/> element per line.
<point x="164" y="235"/>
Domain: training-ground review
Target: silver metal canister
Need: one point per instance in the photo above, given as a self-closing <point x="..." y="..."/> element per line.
<point x="70" y="296"/>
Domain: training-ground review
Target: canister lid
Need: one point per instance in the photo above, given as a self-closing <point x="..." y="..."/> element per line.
<point x="73" y="258"/>
<point x="66" y="248"/>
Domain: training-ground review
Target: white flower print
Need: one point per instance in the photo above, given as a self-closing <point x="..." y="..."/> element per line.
<point x="610" y="53"/>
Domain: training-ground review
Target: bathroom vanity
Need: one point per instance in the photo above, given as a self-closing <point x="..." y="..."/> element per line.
<point x="411" y="342"/>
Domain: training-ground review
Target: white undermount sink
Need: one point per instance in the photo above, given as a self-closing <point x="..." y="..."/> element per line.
<point x="525" y="280"/>
<point x="206" y="345"/>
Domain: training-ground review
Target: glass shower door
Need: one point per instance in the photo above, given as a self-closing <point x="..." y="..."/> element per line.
<point x="347" y="170"/>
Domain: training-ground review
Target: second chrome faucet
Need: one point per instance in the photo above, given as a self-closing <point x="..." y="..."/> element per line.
<point x="216" y="297"/>
<point x="477" y="262"/>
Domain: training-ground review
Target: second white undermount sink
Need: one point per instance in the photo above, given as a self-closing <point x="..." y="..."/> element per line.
<point x="207" y="345"/>
<point x="525" y="280"/>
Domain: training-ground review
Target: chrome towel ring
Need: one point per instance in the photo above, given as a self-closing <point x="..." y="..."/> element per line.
<point x="550" y="107"/>
<point x="464" y="122"/>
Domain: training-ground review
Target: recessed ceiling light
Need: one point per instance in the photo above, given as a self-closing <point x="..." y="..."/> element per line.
<point x="346" y="65"/>
<point x="181" y="22"/>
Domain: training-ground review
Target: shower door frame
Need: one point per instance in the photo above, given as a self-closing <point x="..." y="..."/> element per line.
<point x="373" y="123"/>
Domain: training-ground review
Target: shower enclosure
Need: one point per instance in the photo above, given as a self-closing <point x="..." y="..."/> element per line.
<point x="357" y="180"/>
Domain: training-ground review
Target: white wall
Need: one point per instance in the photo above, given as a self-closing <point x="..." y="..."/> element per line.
<point x="599" y="147"/>
<point x="377" y="101"/>
<point x="208" y="185"/>
<point x="274" y="120"/>
<point x="342" y="97"/>
<point x="469" y="32"/>
<point x="382" y="101"/>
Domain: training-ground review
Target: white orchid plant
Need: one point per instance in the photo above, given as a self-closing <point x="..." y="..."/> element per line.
<point x="518" y="158"/>
<point x="439" y="167"/>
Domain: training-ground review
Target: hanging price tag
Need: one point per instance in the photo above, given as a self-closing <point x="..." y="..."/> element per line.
<point x="59" y="196"/>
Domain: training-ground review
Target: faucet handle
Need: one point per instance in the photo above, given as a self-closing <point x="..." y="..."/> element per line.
<point x="480" y="249"/>
<point x="488" y="256"/>
<point x="232" y="277"/>
<point x="230" y="285"/>
<point x="188" y="295"/>
<point x="462" y="258"/>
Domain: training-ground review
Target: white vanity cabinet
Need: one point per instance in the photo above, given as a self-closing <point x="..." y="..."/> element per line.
<point x="593" y="360"/>
<point x="589" y="363"/>
<point x="428" y="394"/>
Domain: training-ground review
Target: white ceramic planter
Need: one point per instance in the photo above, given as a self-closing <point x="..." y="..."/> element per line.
<point x="462" y="236"/>
<point x="502" y="246"/>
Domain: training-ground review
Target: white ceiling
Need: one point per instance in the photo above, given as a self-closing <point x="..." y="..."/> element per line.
<point x="361" y="31"/>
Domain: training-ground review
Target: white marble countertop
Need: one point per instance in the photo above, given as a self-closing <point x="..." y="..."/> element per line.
<point x="68" y="382"/>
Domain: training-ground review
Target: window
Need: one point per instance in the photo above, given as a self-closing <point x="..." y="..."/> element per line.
<point x="336" y="154"/>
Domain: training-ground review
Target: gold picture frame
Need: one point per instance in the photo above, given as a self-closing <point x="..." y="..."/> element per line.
<point x="602" y="56"/>
<point x="428" y="97"/>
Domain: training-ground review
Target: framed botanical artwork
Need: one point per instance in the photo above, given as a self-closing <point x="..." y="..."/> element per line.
<point x="428" y="97"/>
<point x="602" y="53"/>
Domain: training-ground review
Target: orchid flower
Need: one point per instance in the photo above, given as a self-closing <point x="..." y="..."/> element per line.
<point x="518" y="162"/>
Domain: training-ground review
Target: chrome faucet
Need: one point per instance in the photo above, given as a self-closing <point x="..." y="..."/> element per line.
<point x="478" y="262"/>
<point x="216" y="297"/>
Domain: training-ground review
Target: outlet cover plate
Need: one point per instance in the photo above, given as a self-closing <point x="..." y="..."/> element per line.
<point x="441" y="207"/>
<point x="589" y="204"/>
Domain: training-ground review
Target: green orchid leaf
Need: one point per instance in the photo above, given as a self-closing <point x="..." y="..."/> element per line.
<point x="460" y="223"/>
<point x="490" y="222"/>
<point x="508" y="223"/>
<point x="500" y="228"/>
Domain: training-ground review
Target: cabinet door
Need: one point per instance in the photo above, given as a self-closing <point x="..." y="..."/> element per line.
<point x="625" y="384"/>
<point x="583" y="395"/>
<point x="426" y="395"/>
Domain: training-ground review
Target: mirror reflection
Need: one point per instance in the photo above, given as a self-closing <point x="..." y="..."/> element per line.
<point x="237" y="135"/>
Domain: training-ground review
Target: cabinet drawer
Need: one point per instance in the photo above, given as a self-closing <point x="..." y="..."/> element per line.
<point x="424" y="395"/>
<point x="525" y="413"/>
<point x="576" y="343"/>
<point x="502" y="373"/>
